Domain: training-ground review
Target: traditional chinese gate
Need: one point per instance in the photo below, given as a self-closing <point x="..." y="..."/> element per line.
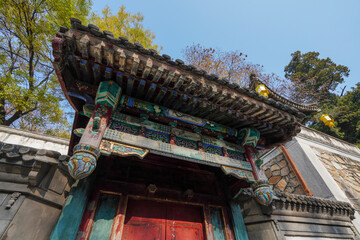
<point x="110" y="216"/>
<point x="126" y="207"/>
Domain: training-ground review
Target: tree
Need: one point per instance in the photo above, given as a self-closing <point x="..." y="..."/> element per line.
<point x="314" y="78"/>
<point x="231" y="65"/>
<point x="30" y="96"/>
<point x="345" y="111"/>
<point x="125" y="24"/>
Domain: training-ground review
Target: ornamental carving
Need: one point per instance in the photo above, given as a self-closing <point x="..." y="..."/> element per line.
<point x="83" y="162"/>
<point x="263" y="193"/>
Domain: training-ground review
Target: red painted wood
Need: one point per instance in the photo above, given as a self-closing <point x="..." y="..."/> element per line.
<point x="119" y="219"/>
<point x="208" y="224"/>
<point x="150" y="220"/>
<point x="144" y="220"/>
<point x="228" y="227"/>
<point x="94" y="138"/>
<point x="251" y="161"/>
<point x="88" y="217"/>
<point x="184" y="222"/>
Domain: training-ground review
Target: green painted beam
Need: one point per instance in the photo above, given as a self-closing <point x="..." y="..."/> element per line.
<point x="71" y="215"/>
<point x="238" y="222"/>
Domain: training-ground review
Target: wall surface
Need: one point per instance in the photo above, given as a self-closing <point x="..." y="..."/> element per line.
<point x="281" y="175"/>
<point x="34" y="184"/>
<point x="34" y="140"/>
<point x="298" y="217"/>
<point x="329" y="166"/>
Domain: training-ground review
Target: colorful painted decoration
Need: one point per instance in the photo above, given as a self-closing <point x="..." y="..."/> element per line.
<point x="175" y="115"/>
<point x="79" y="131"/>
<point x="108" y="94"/>
<point x="262" y="90"/>
<point x="259" y="162"/>
<point x="262" y="192"/>
<point x="248" y="136"/>
<point x="238" y="173"/>
<point x="83" y="162"/>
<point x="328" y="121"/>
<point x="109" y="147"/>
<point x="88" y="109"/>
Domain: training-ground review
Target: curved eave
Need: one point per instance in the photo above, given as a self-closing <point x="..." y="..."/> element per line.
<point x="254" y="81"/>
<point x="84" y="57"/>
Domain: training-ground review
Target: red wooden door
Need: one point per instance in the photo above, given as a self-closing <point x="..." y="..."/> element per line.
<point x="150" y="220"/>
<point x="144" y="220"/>
<point x="184" y="222"/>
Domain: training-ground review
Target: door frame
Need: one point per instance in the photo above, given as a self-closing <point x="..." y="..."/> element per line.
<point x="118" y="224"/>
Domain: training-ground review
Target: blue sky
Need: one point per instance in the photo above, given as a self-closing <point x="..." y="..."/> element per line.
<point x="267" y="31"/>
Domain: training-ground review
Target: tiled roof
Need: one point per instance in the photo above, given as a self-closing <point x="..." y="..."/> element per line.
<point x="278" y="101"/>
<point x="26" y="156"/>
<point x="314" y="203"/>
<point x="84" y="57"/>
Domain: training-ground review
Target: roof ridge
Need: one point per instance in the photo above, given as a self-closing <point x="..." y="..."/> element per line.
<point x="254" y="80"/>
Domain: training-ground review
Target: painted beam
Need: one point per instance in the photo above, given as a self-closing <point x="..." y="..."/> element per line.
<point x="174" y="150"/>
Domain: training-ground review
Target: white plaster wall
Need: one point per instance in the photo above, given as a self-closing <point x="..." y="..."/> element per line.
<point x="29" y="139"/>
<point x="323" y="138"/>
<point x="307" y="146"/>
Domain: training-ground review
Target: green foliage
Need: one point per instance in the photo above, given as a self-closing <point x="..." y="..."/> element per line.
<point x="125" y="24"/>
<point x="314" y="78"/>
<point x="345" y="111"/>
<point x="30" y="95"/>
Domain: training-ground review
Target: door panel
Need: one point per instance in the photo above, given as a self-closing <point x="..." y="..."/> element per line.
<point x="217" y="223"/>
<point x="150" y="220"/>
<point x="184" y="222"/>
<point x="144" y="220"/>
<point x="104" y="217"/>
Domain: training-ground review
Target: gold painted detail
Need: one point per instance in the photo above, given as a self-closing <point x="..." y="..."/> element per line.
<point x="79" y="131"/>
<point x="109" y="147"/>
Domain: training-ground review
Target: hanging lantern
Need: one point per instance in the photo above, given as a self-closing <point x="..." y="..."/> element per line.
<point x="327" y="120"/>
<point x="262" y="90"/>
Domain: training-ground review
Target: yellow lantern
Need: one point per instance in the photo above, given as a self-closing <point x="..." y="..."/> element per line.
<point x="261" y="90"/>
<point x="327" y="120"/>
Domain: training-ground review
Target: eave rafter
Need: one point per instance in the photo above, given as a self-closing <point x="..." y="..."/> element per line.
<point x="89" y="57"/>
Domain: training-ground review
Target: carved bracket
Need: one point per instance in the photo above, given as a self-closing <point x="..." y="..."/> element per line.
<point x="239" y="173"/>
<point x="109" y="147"/>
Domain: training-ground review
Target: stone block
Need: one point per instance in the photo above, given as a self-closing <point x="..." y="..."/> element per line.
<point x="267" y="173"/>
<point x="283" y="163"/>
<point x="267" y="231"/>
<point x="273" y="180"/>
<point x="276" y="172"/>
<point x="274" y="167"/>
<point x="281" y="184"/>
<point x="58" y="182"/>
<point x="285" y="171"/>
<point x="299" y="190"/>
<point x="34" y="220"/>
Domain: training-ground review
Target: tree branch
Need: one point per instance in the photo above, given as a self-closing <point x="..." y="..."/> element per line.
<point x="42" y="64"/>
